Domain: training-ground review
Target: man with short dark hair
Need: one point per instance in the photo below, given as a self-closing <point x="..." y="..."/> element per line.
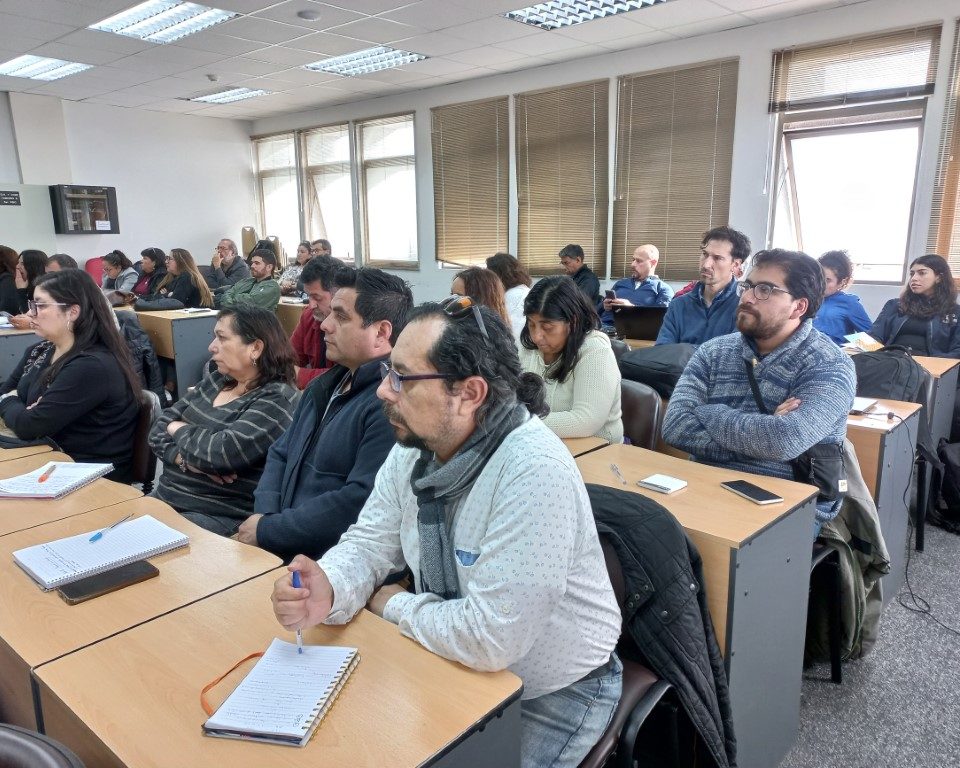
<point x="710" y="309"/>
<point x="806" y="383"/>
<point x="486" y="507"/>
<point x="260" y="289"/>
<point x="320" y="247"/>
<point x="226" y="267"/>
<point x="642" y="288"/>
<point x="307" y="339"/>
<point x="571" y="261"/>
<point x="319" y="473"/>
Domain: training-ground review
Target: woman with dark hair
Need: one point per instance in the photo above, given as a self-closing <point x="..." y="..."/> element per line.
<point x="182" y="283"/>
<point x="924" y="318"/>
<point x="30" y="266"/>
<point x="290" y="277"/>
<point x="118" y="272"/>
<point x="484" y="287"/>
<point x="841" y="313"/>
<point x="516" y="285"/>
<point x="9" y="297"/>
<point x="76" y="387"/>
<point x="214" y="441"/>
<point x="153" y="269"/>
<point x="560" y="343"/>
<point x="60" y="261"/>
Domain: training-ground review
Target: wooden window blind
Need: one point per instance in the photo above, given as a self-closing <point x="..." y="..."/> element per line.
<point x="878" y="67"/>
<point x="674" y="156"/>
<point x="944" y="234"/>
<point x="471" y="156"/>
<point x="562" y="179"/>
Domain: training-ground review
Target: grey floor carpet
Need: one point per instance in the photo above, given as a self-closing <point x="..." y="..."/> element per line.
<point x="900" y="706"/>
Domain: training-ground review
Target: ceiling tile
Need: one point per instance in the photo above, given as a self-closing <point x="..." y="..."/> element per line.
<point x="493" y="7"/>
<point x="304" y="77"/>
<point x="70" y="91"/>
<point x="94" y="39"/>
<point x="637" y="41"/>
<point x="329" y="15"/>
<point x="677" y="13"/>
<point x="197" y="78"/>
<point x="242" y="6"/>
<point x="439" y="66"/>
<point x="261" y="30"/>
<point x="327" y="44"/>
<point x="436" y="44"/>
<point x="711" y="25"/>
<point x="377" y="30"/>
<point x="277" y="54"/>
<point x="493" y="30"/>
<point x="216" y="43"/>
<point x="64" y="11"/>
<point x="486" y="56"/>
<point x="747" y="5"/>
<point x="118" y="76"/>
<point x="271" y="84"/>
<point x="601" y="30"/>
<point x="15" y="84"/>
<point x="175" y="105"/>
<point x="792" y="8"/>
<point x="371" y="6"/>
<point x="536" y="45"/>
<point x="436" y="14"/>
<point x="176" y="88"/>
<point x="12" y="28"/>
<point x="249" y="67"/>
<point x="74" y="53"/>
<point x="123" y="99"/>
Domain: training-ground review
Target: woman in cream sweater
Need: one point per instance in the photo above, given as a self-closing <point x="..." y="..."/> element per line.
<point x="560" y="343"/>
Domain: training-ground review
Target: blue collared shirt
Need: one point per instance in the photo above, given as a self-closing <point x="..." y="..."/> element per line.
<point x="649" y="292"/>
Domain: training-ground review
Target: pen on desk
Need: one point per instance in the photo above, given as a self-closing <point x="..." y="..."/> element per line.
<point x="618" y="473"/>
<point x="297" y="585"/>
<point x="99" y="534"/>
<point x="46" y="475"/>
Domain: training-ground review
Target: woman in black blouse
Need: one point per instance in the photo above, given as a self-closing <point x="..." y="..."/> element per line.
<point x="9" y="298"/>
<point x="183" y="284"/>
<point x="78" y="386"/>
<point x="30" y="266"/>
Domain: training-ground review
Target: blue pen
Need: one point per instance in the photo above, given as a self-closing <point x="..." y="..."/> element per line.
<point x="99" y="534"/>
<point x="297" y="585"/>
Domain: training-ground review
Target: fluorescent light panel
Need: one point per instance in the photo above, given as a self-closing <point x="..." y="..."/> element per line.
<point x="163" y="21"/>
<point x="366" y="61"/>
<point x="556" y="14"/>
<point x="41" y="68"/>
<point x="228" y="97"/>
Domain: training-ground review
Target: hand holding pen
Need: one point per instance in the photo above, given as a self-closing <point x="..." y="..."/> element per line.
<point x="298" y="585"/>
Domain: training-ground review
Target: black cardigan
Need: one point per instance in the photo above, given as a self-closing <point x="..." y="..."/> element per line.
<point x="180" y="288"/>
<point x="87" y="409"/>
<point x="9" y="295"/>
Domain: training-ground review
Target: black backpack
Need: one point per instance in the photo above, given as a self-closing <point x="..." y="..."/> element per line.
<point x="948" y="515"/>
<point x="658" y="366"/>
<point x="888" y="374"/>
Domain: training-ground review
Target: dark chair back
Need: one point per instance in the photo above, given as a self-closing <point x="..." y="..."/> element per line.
<point x="21" y="748"/>
<point x="620" y="348"/>
<point x="642" y="413"/>
<point x="144" y="467"/>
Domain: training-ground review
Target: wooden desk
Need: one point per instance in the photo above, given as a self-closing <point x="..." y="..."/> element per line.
<point x="20" y="514"/>
<point x="13" y="343"/>
<point x="6" y="454"/>
<point x="182" y="337"/>
<point x="133" y="699"/>
<point x="288" y="313"/>
<point x="581" y="445"/>
<point x="944" y="371"/>
<point x="756" y="562"/>
<point x="639" y="343"/>
<point x="37" y="626"/>
<point x="884" y="450"/>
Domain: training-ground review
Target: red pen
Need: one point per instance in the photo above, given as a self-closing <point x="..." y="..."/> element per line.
<point x="46" y="475"/>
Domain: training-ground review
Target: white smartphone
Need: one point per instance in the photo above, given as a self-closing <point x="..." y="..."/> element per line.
<point x="754" y="493"/>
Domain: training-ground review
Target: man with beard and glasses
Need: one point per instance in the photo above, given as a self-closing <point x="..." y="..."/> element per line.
<point x="485" y="506"/>
<point x="805" y="381"/>
<point x="321" y="471"/>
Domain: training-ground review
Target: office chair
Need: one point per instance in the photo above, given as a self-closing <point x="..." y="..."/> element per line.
<point x="22" y="748"/>
<point x="641" y="412"/>
<point x="144" y="460"/>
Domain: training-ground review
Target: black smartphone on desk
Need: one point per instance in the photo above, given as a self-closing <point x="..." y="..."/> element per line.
<point x="108" y="581"/>
<point x="754" y="493"/>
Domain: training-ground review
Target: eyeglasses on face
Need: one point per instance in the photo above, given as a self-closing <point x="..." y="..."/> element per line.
<point x="397" y="379"/>
<point x="460" y="306"/>
<point x="762" y="291"/>
<point x="34" y="306"/>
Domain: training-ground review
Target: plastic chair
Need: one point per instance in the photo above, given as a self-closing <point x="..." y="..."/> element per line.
<point x="94" y="268"/>
<point x="22" y="748"/>
<point x="641" y="412"/>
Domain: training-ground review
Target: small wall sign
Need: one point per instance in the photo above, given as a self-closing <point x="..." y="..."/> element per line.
<point x="9" y="197"/>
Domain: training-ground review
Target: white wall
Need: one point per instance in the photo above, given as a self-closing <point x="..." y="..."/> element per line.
<point x="749" y="203"/>
<point x="9" y="165"/>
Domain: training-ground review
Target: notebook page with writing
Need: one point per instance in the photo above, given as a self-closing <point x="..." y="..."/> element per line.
<point x="67" y="476"/>
<point x="285" y="696"/>
<point x="67" y="560"/>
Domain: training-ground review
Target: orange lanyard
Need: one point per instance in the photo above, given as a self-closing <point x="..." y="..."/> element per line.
<point x="203" y="694"/>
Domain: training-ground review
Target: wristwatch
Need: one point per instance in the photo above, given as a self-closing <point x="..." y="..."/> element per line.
<point x="181" y="462"/>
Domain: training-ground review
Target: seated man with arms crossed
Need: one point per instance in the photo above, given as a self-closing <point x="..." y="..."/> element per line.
<point x="260" y="289"/>
<point x="486" y="507"/>
<point x="308" y="343"/>
<point x="321" y="471"/>
<point x="807" y="384"/>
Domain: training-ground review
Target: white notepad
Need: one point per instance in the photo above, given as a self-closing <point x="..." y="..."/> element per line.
<point x="285" y="696"/>
<point x="67" y="560"/>
<point x="67" y="476"/>
<point x="662" y="483"/>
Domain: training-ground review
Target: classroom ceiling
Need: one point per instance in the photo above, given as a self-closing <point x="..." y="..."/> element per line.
<point x="267" y="44"/>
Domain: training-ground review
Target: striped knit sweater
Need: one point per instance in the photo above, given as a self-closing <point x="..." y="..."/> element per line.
<point x="712" y="414"/>
<point x="232" y="438"/>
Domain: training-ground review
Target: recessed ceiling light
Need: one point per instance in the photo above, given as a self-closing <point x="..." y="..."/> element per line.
<point x="41" y="68"/>
<point x="555" y="14"/>
<point x="228" y="97"/>
<point x="163" y="21"/>
<point x="308" y="15"/>
<point x="365" y="61"/>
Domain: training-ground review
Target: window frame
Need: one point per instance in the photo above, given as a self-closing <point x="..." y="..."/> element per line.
<point x="304" y="177"/>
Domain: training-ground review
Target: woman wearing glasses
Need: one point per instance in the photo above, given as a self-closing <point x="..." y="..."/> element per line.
<point x="77" y="387"/>
<point x="153" y="270"/>
<point x="561" y="343"/>
<point x="118" y="272"/>
<point x="182" y="286"/>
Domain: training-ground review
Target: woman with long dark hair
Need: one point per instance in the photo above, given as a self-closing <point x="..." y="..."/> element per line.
<point x="213" y="442"/>
<point x="560" y="343"/>
<point x="118" y="272"/>
<point x="183" y="283"/>
<point x="516" y="285"/>
<point x="484" y="287"/>
<point x="9" y="297"/>
<point x="78" y="386"/>
<point x="924" y="318"/>
<point x="30" y="266"/>
<point x="153" y="269"/>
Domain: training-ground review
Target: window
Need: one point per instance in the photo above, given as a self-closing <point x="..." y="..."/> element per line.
<point x="470" y="180"/>
<point x="944" y="235"/>
<point x="674" y="155"/>
<point x="850" y="117"/>
<point x="388" y="191"/>
<point x="277" y="186"/>
<point x="562" y="179"/>
<point x="327" y="188"/>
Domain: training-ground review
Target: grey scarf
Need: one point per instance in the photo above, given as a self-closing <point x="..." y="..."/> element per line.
<point x="438" y="485"/>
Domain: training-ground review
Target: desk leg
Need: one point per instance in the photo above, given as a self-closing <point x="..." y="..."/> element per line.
<point x="493" y="744"/>
<point x="190" y="341"/>
<point x="769" y="587"/>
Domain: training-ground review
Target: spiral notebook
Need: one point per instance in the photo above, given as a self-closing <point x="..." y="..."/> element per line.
<point x="67" y="560"/>
<point x="62" y="477"/>
<point x="285" y="696"/>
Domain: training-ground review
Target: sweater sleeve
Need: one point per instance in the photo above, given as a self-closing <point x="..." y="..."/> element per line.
<point x="664" y="295"/>
<point x="9" y="298"/>
<point x="881" y="328"/>
<point x="669" y="332"/>
<point x="127" y="281"/>
<point x="681" y="427"/>
<point x="298" y="344"/>
<point x="596" y="382"/>
<point x="161" y="443"/>
<point x="857" y="316"/>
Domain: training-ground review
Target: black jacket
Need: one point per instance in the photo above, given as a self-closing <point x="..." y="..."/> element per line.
<point x="153" y="284"/>
<point x="144" y="358"/>
<point x="663" y="573"/>
<point x="180" y="289"/>
<point x="587" y="282"/>
<point x="10" y="299"/>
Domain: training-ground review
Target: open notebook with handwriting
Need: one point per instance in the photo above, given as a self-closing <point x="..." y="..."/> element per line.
<point x="285" y="696"/>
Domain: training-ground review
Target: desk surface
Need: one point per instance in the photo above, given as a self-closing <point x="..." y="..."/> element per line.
<point x="581" y="445"/>
<point x="20" y="514"/>
<point x="400" y="706"/>
<point x="639" y="343"/>
<point x="39" y="626"/>
<point x="937" y="366"/>
<point x="175" y="314"/>
<point x="14" y="332"/>
<point x="702" y="506"/>
<point x="876" y="419"/>
<point x="6" y="454"/>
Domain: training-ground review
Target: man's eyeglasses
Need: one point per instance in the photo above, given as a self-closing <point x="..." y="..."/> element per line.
<point x="33" y="306"/>
<point x="460" y="306"/>
<point x="397" y="379"/>
<point x="762" y="291"/>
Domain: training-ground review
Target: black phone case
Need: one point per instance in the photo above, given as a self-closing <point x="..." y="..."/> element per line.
<point x="108" y="581"/>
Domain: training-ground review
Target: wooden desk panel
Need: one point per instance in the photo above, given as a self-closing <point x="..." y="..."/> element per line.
<point x="6" y="454"/>
<point x="867" y="433"/>
<point x="133" y="699"/>
<point x="937" y="366"/>
<point x="182" y="337"/>
<point x="37" y="626"/>
<point x="581" y="445"/>
<point x="288" y="313"/>
<point x="20" y="514"/>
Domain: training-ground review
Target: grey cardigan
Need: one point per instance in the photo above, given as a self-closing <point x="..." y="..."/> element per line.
<point x="125" y="281"/>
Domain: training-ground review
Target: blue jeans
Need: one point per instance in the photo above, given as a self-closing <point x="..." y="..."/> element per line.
<point x="559" y="729"/>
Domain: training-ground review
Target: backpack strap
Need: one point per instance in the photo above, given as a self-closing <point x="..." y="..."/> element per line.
<point x="755" y="388"/>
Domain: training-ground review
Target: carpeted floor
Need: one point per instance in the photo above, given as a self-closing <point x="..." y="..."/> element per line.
<point x="900" y="706"/>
